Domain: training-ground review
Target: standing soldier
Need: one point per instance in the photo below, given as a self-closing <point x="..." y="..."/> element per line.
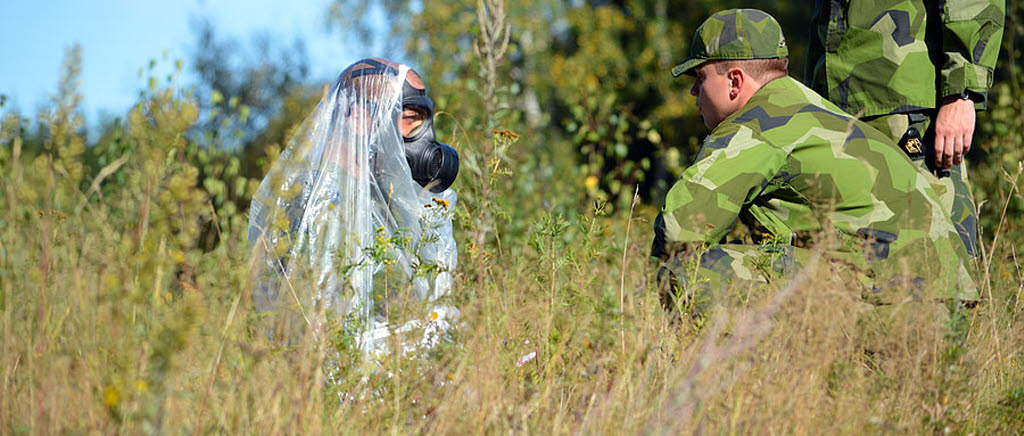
<point x="917" y="70"/>
<point x="800" y="173"/>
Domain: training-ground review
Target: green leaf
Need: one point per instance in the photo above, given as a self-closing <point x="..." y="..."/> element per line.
<point x="216" y="97"/>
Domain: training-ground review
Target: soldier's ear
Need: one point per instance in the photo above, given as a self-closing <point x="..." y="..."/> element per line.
<point x="736" y="77"/>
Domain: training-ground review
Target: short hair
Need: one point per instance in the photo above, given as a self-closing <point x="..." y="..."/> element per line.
<point x="760" y="69"/>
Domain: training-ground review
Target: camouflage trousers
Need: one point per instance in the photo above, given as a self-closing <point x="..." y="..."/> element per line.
<point x="723" y="272"/>
<point x="727" y="272"/>
<point x="915" y="134"/>
<point x="731" y="274"/>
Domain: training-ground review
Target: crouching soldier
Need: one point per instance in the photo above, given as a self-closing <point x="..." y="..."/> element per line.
<point x="803" y="176"/>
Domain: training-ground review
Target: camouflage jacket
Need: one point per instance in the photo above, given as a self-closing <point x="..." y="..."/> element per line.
<point x="877" y="57"/>
<point x="792" y="166"/>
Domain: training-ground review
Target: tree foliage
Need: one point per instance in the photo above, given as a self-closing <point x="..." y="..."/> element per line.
<point x="586" y="76"/>
<point x="249" y="96"/>
<point x="123" y="260"/>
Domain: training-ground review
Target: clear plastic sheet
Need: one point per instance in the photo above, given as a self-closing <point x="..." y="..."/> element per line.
<point x="340" y="229"/>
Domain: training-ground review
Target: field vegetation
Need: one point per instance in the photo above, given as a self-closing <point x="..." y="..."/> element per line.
<point x="126" y="307"/>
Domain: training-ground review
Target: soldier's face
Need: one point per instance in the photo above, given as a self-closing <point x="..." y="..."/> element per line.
<point x="712" y="90"/>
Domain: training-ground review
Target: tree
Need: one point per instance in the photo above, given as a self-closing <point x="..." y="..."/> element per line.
<point x="240" y="91"/>
<point x="591" y="76"/>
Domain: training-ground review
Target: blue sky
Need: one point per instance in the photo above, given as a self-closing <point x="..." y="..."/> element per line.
<point x="120" y="36"/>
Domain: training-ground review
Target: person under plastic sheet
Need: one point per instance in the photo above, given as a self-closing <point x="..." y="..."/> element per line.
<point x="354" y="220"/>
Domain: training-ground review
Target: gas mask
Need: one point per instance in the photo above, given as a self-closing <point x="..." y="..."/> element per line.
<point x="434" y="164"/>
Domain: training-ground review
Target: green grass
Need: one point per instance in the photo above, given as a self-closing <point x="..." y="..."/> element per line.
<point x="104" y="331"/>
<point x="125" y="307"/>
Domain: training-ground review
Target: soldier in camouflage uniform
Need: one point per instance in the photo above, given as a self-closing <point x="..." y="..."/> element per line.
<point x="916" y="70"/>
<point x="799" y="173"/>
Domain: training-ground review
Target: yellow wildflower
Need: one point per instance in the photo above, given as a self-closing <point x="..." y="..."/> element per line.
<point x="111" y="396"/>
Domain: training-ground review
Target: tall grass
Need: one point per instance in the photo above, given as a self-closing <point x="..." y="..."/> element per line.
<point x="100" y="335"/>
<point x="115" y="319"/>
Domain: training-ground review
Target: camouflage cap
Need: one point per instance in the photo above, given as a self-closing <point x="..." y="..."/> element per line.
<point x="735" y="34"/>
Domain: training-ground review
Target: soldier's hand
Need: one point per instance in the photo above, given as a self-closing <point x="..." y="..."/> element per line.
<point x="954" y="128"/>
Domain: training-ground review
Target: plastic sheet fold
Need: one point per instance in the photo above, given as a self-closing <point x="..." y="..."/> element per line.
<point x="340" y="230"/>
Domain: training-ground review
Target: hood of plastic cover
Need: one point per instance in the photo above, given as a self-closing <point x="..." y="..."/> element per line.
<point x="339" y="228"/>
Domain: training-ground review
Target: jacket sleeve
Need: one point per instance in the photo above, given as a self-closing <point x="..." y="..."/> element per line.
<point x="972" y="31"/>
<point x="705" y="202"/>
